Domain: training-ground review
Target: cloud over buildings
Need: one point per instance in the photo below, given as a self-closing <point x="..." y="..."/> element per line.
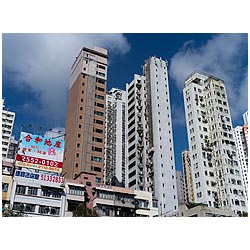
<point x="42" y="63"/>
<point x="224" y="56"/>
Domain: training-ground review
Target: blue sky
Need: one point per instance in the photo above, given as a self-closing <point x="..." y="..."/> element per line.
<point x="36" y="71"/>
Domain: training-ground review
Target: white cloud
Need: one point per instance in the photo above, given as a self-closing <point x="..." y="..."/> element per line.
<point x="223" y="56"/>
<point x="43" y="61"/>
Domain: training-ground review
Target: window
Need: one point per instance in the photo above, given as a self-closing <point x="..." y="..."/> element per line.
<point x="243" y="203"/>
<point x="78" y="145"/>
<point x="5" y="187"/>
<point x="97" y="149"/>
<point x="100" y="81"/>
<point x="79" y="135"/>
<point x="46" y="192"/>
<point x="74" y="190"/>
<point x="32" y="190"/>
<point x="131" y="109"/>
<point x="101" y="66"/>
<point x="96" y="169"/>
<point x="95" y="158"/>
<point x="100" y="73"/>
<point x="131" y="156"/>
<point x="131" y="148"/>
<point x="99" y="113"/>
<point x="56" y="193"/>
<point x="96" y="139"/>
<point x="18" y="206"/>
<point x="97" y="130"/>
<point x="20" y="189"/>
<point x="99" y="105"/>
<point x="131" y="124"/>
<point x="100" y="97"/>
<point x="98" y="121"/>
<point x="55" y="210"/>
<point x="100" y="89"/>
<point x="131" y="131"/>
<point x="30" y="208"/>
<point x="131" y="165"/>
<point x="237" y="202"/>
<point x="43" y="210"/>
<point x="199" y="195"/>
<point x="130" y="88"/>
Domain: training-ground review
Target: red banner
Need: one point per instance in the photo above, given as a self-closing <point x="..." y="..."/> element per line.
<point x="40" y="161"/>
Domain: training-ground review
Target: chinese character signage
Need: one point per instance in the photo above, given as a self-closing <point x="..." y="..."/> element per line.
<point x="40" y="177"/>
<point x="40" y="152"/>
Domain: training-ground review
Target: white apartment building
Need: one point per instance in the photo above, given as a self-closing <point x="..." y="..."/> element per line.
<point x="151" y="165"/>
<point x="245" y="117"/>
<point x="181" y="187"/>
<point x="145" y="205"/>
<point x="215" y="171"/>
<point x="37" y="194"/>
<point x="115" y="154"/>
<point x="8" y="119"/>
<point x="188" y="177"/>
<point x="242" y="153"/>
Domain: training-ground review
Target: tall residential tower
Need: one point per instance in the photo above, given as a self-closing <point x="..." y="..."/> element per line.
<point x="151" y="165"/>
<point x="215" y="171"/>
<point x="85" y="122"/>
<point x="8" y="119"/>
<point x="115" y="138"/>
<point x="240" y="133"/>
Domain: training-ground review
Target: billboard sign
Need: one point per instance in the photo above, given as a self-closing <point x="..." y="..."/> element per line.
<point x="40" y="177"/>
<point x="40" y="152"/>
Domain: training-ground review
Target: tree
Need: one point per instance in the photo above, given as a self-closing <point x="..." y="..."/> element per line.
<point x="244" y="214"/>
<point x="83" y="211"/>
<point x="8" y="212"/>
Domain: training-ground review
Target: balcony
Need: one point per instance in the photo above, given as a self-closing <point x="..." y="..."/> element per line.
<point x="140" y="146"/>
<point x="139" y="108"/>
<point x="138" y="84"/>
<point x="150" y="151"/>
<point x="140" y="166"/>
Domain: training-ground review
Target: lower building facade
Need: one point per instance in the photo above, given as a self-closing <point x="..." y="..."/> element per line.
<point x="75" y="195"/>
<point x="116" y="201"/>
<point x="37" y="194"/>
<point x="202" y="210"/>
<point x="7" y="180"/>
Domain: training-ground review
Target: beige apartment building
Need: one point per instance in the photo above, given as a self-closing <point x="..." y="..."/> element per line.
<point x="85" y="122"/>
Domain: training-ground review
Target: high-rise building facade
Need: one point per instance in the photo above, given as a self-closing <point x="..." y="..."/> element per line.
<point x="188" y="177"/>
<point x="245" y="117"/>
<point x="242" y="153"/>
<point x="13" y="147"/>
<point x="181" y="187"/>
<point x="8" y="119"/>
<point x="215" y="171"/>
<point x="85" y="122"/>
<point x="115" y="138"/>
<point x="151" y="165"/>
